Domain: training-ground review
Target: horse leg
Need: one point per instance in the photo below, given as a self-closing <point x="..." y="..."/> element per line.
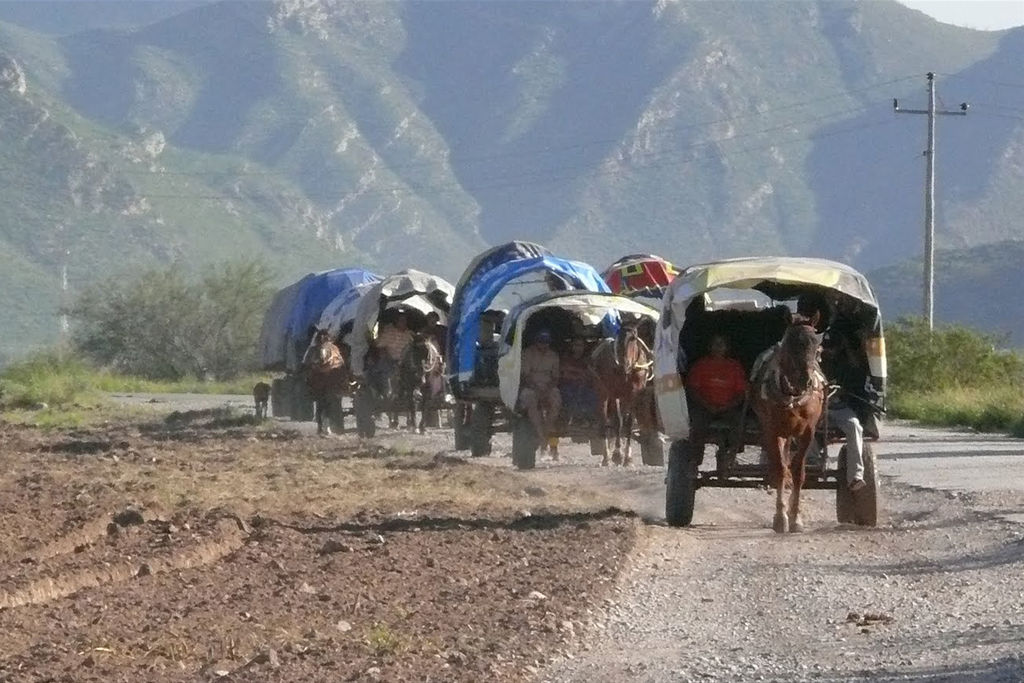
<point x="777" y="447"/>
<point x="318" y="413"/>
<point x="627" y="428"/>
<point x="604" y="401"/>
<point x="796" y="467"/>
<point x="423" y="407"/>
<point x="617" y="429"/>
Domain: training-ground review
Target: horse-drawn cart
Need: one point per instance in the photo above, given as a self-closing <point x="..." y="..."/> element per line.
<point x="599" y="321"/>
<point x="409" y="382"/>
<point x="286" y="333"/>
<point x="749" y="303"/>
<point x="485" y="340"/>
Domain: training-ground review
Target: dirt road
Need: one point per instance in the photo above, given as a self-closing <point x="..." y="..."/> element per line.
<point x="933" y="594"/>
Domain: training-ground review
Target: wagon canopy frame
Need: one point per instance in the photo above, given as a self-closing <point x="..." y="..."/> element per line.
<point x="428" y="290"/>
<point x="776" y="277"/>
<point x="603" y="307"/>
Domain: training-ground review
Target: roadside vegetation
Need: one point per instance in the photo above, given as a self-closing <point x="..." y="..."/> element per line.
<point x="162" y="332"/>
<point x="954" y="376"/>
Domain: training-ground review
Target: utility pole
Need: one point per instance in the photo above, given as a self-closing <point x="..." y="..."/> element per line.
<point x="929" y="193"/>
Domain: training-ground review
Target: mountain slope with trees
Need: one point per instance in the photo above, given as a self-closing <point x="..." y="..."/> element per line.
<point x="313" y="133"/>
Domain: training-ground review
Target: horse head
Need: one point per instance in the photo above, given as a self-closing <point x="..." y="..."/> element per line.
<point x="798" y="360"/>
<point x="631" y="353"/>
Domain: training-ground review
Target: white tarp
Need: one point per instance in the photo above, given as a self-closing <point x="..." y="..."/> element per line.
<point x="343" y="309"/>
<point x="408" y="286"/>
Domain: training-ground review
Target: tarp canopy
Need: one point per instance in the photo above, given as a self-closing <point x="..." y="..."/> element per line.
<point x="523" y="278"/>
<point x="416" y="288"/>
<point x="641" y="275"/>
<point x="483" y="264"/>
<point x="592" y="308"/>
<point x="779" y="278"/>
<point x="342" y="310"/>
<point x="296" y="308"/>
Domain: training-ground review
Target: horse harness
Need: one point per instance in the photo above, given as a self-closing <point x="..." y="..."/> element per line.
<point x="774" y="385"/>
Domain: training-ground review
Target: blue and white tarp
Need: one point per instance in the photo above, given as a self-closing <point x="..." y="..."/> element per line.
<point x="298" y="307"/>
<point x="343" y="309"/>
<point x="528" y="277"/>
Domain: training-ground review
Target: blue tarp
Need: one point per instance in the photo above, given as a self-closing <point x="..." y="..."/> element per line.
<point x="479" y="291"/>
<point x="296" y="308"/>
<point x="478" y="267"/>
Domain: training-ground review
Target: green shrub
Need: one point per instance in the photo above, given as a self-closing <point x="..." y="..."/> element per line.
<point x="951" y="357"/>
<point x="163" y="326"/>
<point x="51" y="377"/>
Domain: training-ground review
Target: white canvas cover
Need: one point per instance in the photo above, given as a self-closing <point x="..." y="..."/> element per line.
<point x="735" y="274"/>
<point x="343" y="309"/>
<point x="594" y="306"/>
<point x="408" y="286"/>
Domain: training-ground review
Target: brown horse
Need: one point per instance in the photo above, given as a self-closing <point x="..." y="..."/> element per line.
<point x="327" y="379"/>
<point x="788" y="397"/>
<point x="625" y="369"/>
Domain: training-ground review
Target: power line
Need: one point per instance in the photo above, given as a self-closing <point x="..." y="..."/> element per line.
<point x="640" y="156"/>
<point x="549" y="149"/>
<point x="416" y="190"/>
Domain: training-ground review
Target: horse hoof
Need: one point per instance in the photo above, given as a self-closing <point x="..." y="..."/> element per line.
<point x="781" y="524"/>
<point x="604" y="463"/>
<point x="796" y="526"/>
<point x="617" y="457"/>
<point x="627" y="461"/>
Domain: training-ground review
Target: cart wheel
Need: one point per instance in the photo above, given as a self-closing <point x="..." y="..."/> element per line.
<point x="480" y="419"/>
<point x="460" y="423"/>
<point x="680" y="486"/>
<point x="366" y="424"/>
<point x="280" y="401"/>
<point x="524" y="444"/>
<point x="865" y="501"/>
<point x="651" y="450"/>
<point x="844" y="497"/>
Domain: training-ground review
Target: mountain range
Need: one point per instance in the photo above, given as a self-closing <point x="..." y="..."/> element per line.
<point x="319" y="133"/>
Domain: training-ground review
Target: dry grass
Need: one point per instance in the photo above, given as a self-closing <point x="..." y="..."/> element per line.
<point x="251" y="470"/>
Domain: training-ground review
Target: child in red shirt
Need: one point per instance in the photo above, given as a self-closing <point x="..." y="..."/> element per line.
<point x="716" y="386"/>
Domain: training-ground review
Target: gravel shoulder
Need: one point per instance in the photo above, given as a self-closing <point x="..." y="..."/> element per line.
<point x="933" y="594"/>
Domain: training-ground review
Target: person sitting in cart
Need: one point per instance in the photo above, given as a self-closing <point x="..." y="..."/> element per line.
<point x="576" y="383"/>
<point x="538" y="393"/>
<point x="392" y="341"/>
<point x="845" y="370"/>
<point x="395" y="338"/>
<point x="716" y="389"/>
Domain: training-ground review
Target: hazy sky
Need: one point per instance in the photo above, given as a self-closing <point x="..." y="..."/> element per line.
<point x="981" y="14"/>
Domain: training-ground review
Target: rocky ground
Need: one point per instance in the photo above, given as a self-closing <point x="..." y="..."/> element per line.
<point x="198" y="547"/>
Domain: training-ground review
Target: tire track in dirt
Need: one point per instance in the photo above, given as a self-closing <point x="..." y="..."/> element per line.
<point x="226" y="538"/>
